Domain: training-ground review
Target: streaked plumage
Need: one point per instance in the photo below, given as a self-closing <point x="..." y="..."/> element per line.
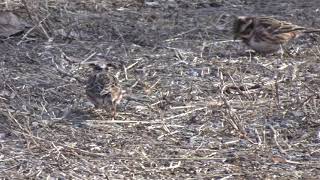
<point x="266" y="34"/>
<point x="103" y="89"/>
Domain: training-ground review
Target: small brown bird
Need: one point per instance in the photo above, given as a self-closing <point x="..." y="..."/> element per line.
<point x="266" y="34"/>
<point x="103" y="88"/>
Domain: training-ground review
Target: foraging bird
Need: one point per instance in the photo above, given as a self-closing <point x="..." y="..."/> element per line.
<point x="103" y="88"/>
<point x="266" y="34"/>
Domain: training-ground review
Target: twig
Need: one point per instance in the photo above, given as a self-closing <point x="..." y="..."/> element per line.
<point x="275" y="138"/>
<point x="184" y="114"/>
<point x="88" y="58"/>
<point x="31" y="29"/>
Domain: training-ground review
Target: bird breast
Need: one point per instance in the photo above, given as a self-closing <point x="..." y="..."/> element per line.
<point x="95" y="86"/>
<point x="263" y="46"/>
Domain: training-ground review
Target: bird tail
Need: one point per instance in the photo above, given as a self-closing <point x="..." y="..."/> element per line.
<point x="311" y="31"/>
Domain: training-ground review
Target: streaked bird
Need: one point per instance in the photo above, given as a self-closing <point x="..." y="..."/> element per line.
<point x="103" y="89"/>
<point x="266" y="34"/>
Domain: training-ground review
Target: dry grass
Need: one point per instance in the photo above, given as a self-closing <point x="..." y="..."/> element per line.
<point x="196" y="106"/>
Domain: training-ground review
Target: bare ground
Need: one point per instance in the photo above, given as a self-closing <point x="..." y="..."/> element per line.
<point x="197" y="105"/>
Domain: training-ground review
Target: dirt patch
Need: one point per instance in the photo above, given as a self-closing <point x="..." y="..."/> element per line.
<point x="197" y="104"/>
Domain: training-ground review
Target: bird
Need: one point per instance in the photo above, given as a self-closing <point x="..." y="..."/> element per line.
<point x="266" y="34"/>
<point x="103" y="88"/>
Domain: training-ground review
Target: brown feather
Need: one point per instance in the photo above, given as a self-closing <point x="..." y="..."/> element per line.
<point x="266" y="34"/>
<point x="103" y="89"/>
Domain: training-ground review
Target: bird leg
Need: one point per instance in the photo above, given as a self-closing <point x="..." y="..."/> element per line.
<point x="281" y="53"/>
<point x="114" y="110"/>
<point x="286" y="51"/>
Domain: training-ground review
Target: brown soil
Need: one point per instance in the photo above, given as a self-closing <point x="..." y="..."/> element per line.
<point x="198" y="105"/>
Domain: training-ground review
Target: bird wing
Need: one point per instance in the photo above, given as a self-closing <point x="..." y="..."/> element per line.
<point x="275" y="26"/>
<point x="275" y="31"/>
<point x="106" y="83"/>
<point x="116" y="94"/>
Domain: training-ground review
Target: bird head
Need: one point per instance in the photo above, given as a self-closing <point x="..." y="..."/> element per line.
<point x="242" y="26"/>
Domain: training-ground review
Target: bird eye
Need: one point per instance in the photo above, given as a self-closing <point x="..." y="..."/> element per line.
<point x="246" y="28"/>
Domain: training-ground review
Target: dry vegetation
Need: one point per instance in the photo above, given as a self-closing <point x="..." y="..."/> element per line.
<point x="197" y="105"/>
